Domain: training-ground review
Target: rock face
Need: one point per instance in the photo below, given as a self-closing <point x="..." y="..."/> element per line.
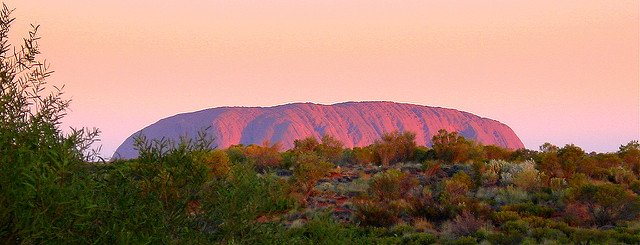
<point x="353" y="123"/>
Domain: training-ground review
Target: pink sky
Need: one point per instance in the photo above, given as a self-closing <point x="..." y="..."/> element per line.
<point x="554" y="71"/>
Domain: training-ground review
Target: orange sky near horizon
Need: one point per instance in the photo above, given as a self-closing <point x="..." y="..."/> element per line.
<point x="554" y="71"/>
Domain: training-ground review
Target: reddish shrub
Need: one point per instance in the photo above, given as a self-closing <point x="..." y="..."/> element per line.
<point x="392" y="185"/>
<point x="374" y="213"/>
<point x="578" y="214"/>
<point x="465" y="224"/>
<point x="265" y="156"/>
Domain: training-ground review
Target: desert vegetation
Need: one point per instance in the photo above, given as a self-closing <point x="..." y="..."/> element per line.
<point x="53" y="188"/>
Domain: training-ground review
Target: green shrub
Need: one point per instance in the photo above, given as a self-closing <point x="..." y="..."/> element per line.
<point x="329" y="148"/>
<point x="127" y="204"/>
<point x="621" y="175"/>
<point x="391" y="185"/>
<point x="323" y="230"/>
<point x="454" y="193"/>
<point x="511" y="195"/>
<point x="628" y="237"/>
<point x="588" y="236"/>
<point x="419" y="238"/>
<point x="453" y="148"/>
<point x="530" y="209"/>
<point x="463" y="178"/>
<point x="503" y="216"/>
<point x="493" y="152"/>
<point x="362" y="155"/>
<point x="516" y="227"/>
<point x="513" y="232"/>
<point x="635" y="186"/>
<point x="169" y="169"/>
<point x="630" y="154"/>
<point x="464" y="240"/>
<point x="523" y="175"/>
<point x="548" y="234"/>
<point x="372" y="213"/>
<point x="536" y="221"/>
<point x="308" y="168"/>
<point x="231" y="206"/>
<point x="394" y="147"/>
<point x="422" y="154"/>
<point x="236" y="153"/>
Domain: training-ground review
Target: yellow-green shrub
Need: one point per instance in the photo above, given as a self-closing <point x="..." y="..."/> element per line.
<point x="218" y="163"/>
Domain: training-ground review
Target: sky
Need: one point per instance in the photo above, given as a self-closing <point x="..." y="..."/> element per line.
<point x="554" y="71"/>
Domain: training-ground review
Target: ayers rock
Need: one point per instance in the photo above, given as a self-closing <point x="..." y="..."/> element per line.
<point x="353" y="123"/>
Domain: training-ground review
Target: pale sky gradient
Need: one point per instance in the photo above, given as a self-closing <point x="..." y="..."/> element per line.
<point x="554" y="71"/>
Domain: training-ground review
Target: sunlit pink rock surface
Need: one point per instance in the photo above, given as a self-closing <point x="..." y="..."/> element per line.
<point x="353" y="123"/>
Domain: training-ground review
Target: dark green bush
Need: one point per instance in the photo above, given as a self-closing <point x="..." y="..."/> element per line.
<point x="530" y="209"/>
<point x="232" y="205"/>
<point x="591" y="236"/>
<point x="542" y="234"/>
<point x="465" y="240"/>
<point x="635" y="186"/>
<point x="323" y="230"/>
<point x="628" y="238"/>
<point x="419" y="238"/>
<point x="503" y="216"/>
<point x="516" y="227"/>
<point x="422" y="154"/>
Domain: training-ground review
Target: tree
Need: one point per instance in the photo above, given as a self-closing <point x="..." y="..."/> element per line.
<point x="37" y="160"/>
<point x="548" y="147"/>
<point x="362" y="155"/>
<point x="523" y="154"/>
<point x="607" y="204"/>
<point x="307" y="144"/>
<point x="308" y="168"/>
<point x="265" y="156"/>
<point x="570" y="157"/>
<point x="26" y="110"/>
<point x="395" y="147"/>
<point x="453" y="148"/>
<point x="330" y="149"/>
<point x="550" y="164"/>
<point x="630" y="154"/>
